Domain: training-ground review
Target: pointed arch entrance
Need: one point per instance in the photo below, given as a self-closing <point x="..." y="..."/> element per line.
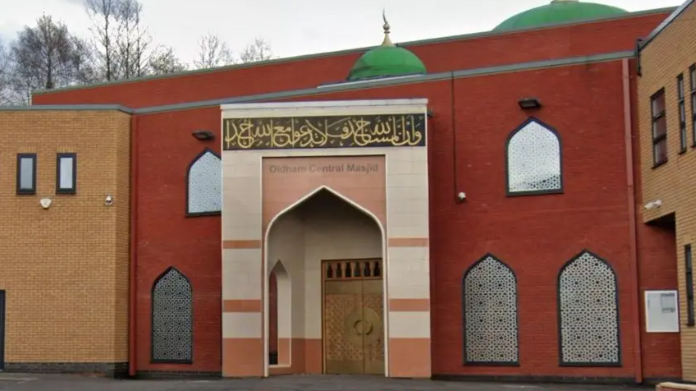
<point x="333" y="251"/>
<point x="273" y="181"/>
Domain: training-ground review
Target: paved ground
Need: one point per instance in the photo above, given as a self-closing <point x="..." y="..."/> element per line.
<point x="18" y="382"/>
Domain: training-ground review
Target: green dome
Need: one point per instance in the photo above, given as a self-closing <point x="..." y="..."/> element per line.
<point x="385" y="61"/>
<point x="559" y="11"/>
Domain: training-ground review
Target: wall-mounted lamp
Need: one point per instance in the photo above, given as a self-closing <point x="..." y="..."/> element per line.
<point x="45" y="203"/>
<point x="529" y="103"/>
<point x="203" y="135"/>
<point x="653" y="205"/>
<point x="461" y="197"/>
<point x="108" y="200"/>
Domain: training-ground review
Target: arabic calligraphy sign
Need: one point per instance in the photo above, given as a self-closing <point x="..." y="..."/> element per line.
<point x="400" y="130"/>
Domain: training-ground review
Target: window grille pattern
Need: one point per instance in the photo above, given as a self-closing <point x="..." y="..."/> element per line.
<point x="172" y="318"/>
<point x="534" y="160"/>
<point x="490" y="313"/>
<point x="588" y="306"/>
<point x="205" y="184"/>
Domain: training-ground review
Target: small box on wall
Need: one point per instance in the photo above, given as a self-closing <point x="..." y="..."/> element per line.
<point x="661" y="312"/>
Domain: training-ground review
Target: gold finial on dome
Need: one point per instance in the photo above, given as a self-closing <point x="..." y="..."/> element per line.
<point x="387" y="41"/>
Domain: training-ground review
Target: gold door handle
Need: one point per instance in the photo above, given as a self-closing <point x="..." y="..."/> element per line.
<point x="369" y="329"/>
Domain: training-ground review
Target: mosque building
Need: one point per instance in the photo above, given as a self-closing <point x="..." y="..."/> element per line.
<point x="512" y="204"/>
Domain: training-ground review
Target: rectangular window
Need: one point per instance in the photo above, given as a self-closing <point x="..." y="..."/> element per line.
<point x="690" y="318"/>
<point x="659" y="128"/>
<point x="26" y="173"/>
<point x="682" y="113"/>
<point x="692" y="82"/>
<point x="66" y="173"/>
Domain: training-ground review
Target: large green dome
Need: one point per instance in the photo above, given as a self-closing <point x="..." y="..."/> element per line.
<point x="559" y="11"/>
<point x="385" y="61"/>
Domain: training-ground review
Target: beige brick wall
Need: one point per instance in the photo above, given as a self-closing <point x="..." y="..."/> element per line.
<point x="668" y="55"/>
<point x="65" y="269"/>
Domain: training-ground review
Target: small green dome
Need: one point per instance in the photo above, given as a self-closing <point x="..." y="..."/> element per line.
<point x="559" y="11"/>
<point x="385" y="61"/>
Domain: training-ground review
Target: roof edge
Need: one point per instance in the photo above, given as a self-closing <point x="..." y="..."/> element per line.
<point x="348" y="86"/>
<point x="322" y="104"/>
<point x="665" y="23"/>
<point x="87" y="107"/>
<point x="427" y="41"/>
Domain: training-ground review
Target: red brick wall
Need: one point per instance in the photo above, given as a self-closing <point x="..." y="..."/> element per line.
<point x="166" y="237"/>
<point x="533" y="235"/>
<point x="467" y="53"/>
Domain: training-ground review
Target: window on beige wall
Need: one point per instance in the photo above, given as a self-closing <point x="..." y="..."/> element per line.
<point x="659" y="128"/>
<point x="26" y="173"/>
<point x="692" y="82"/>
<point x="682" y="113"/>
<point x="66" y="173"/>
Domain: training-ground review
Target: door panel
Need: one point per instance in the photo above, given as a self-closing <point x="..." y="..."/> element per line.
<point x="373" y="334"/>
<point x="353" y="317"/>
<point x="343" y="302"/>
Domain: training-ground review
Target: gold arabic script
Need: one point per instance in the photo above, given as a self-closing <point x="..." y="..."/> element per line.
<point x="324" y="132"/>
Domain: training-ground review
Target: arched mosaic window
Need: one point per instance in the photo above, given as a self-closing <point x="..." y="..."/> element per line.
<point x="534" y="160"/>
<point x="490" y="313"/>
<point x="204" y="185"/>
<point x="172" y="318"/>
<point x="589" y="315"/>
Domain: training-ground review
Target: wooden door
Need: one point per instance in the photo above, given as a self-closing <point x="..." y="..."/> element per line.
<point x="353" y="317"/>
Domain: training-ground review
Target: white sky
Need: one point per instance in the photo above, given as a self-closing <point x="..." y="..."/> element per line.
<point x="294" y="27"/>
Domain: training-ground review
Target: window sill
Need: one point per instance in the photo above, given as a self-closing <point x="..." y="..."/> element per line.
<point x="182" y="362"/>
<point x="491" y="364"/>
<point x="66" y="192"/>
<point x="589" y="365"/>
<point x="26" y="192"/>
<point x="660" y="164"/>
<point x="683" y="151"/>
<point x="203" y="214"/>
<point x="533" y="193"/>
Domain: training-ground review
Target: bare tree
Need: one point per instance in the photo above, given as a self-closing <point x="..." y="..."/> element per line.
<point x="259" y="50"/>
<point x="104" y="16"/>
<point x="213" y="53"/>
<point x="83" y="62"/>
<point x="4" y="75"/>
<point x="46" y="56"/>
<point x="164" y="61"/>
<point x="134" y="42"/>
<point x="123" y="44"/>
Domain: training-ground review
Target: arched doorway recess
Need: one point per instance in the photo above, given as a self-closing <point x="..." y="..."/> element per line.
<point x="332" y="252"/>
